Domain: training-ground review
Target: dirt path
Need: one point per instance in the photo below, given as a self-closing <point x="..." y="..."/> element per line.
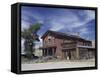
<point x="56" y="65"/>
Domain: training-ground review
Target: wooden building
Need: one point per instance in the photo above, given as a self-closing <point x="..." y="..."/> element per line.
<point x="66" y="46"/>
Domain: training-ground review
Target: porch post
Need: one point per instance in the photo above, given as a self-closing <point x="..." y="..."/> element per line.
<point x="77" y="53"/>
<point x="43" y="52"/>
<point x="47" y="52"/>
<point x="53" y="49"/>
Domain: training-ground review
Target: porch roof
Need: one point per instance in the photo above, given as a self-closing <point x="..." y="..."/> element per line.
<point x="44" y="47"/>
<point x="81" y="46"/>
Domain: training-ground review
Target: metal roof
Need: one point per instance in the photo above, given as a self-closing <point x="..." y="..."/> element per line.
<point x="66" y="35"/>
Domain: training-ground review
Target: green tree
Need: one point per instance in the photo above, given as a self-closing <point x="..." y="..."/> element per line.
<point x="30" y="36"/>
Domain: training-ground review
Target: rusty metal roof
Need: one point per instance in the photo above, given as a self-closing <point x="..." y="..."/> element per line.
<point x="64" y="35"/>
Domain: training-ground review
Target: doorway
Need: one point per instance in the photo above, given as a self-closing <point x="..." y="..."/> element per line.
<point x="67" y="54"/>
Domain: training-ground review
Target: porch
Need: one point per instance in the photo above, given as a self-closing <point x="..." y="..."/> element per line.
<point x="48" y="51"/>
<point x="78" y="53"/>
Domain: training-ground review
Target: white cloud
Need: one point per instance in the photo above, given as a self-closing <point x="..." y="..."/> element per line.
<point x="29" y="14"/>
<point x="61" y="20"/>
<point x="71" y="21"/>
<point x="27" y="18"/>
<point x="24" y="25"/>
<point x="84" y="30"/>
<point x="56" y="26"/>
<point x="90" y="14"/>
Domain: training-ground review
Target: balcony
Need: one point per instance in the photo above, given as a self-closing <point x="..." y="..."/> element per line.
<point x="69" y="45"/>
<point x="72" y="45"/>
<point x="49" y="44"/>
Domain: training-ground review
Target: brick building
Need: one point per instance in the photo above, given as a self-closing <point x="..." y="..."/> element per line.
<point x="66" y="46"/>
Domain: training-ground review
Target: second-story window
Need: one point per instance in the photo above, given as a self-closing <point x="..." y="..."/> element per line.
<point x="49" y="39"/>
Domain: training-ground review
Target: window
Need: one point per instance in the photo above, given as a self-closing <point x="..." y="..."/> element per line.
<point x="49" y="37"/>
<point x="49" y="40"/>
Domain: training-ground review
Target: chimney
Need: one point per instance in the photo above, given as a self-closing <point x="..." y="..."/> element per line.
<point x="78" y="34"/>
<point x="93" y="43"/>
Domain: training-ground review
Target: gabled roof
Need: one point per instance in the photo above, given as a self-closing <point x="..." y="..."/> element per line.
<point x="64" y="35"/>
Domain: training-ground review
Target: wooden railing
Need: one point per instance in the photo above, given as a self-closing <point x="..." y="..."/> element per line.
<point x="69" y="45"/>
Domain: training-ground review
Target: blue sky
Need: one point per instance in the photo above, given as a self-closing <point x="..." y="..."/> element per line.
<point x="62" y="20"/>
